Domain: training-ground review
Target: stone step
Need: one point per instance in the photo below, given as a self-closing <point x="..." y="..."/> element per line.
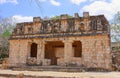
<point x="58" y="68"/>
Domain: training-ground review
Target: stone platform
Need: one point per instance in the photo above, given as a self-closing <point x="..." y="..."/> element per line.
<point x="59" y="68"/>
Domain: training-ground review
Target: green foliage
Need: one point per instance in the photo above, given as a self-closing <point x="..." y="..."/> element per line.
<point x="58" y="17"/>
<point x="70" y="16"/>
<point x="117" y="48"/>
<point x="6" y="27"/>
<point x="3" y="55"/>
<point x="6" y="33"/>
<point x="55" y="17"/>
<point x="4" y="48"/>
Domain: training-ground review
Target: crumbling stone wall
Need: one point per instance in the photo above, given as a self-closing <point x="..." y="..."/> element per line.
<point x="116" y="60"/>
<point x="95" y="51"/>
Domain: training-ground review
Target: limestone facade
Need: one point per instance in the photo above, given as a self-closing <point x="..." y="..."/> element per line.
<point x="65" y="41"/>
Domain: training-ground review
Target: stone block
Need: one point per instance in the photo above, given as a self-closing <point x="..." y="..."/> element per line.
<point x="20" y="75"/>
<point x="46" y="62"/>
<point x="5" y="64"/>
<point x="31" y="61"/>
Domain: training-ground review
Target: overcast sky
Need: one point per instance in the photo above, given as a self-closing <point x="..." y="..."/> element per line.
<point x="24" y="10"/>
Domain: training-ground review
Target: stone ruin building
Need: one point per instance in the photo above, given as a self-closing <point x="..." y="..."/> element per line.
<point x="60" y="42"/>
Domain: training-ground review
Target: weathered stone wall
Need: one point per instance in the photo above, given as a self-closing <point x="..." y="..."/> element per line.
<point x="18" y="52"/>
<point x="95" y="50"/>
<point x="36" y="27"/>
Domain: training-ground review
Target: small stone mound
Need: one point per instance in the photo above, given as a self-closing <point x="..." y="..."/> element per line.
<point x="5" y="64"/>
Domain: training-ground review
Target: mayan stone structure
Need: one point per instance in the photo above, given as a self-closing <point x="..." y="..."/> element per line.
<point x="60" y="42"/>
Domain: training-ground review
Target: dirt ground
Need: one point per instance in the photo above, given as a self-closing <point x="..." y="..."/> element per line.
<point x="63" y="74"/>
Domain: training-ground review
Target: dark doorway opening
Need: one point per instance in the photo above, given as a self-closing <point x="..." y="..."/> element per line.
<point x="33" y="51"/>
<point x="77" y="49"/>
<point x="54" y="50"/>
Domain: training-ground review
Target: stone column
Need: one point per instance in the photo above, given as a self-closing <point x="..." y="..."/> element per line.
<point x="68" y="51"/>
<point x="41" y="52"/>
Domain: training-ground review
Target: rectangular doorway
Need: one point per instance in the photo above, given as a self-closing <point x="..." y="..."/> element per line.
<point x="54" y="50"/>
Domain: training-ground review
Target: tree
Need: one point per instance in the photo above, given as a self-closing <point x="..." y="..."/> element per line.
<point x="6" y="27"/>
<point x="6" y="23"/>
<point x="115" y="28"/>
